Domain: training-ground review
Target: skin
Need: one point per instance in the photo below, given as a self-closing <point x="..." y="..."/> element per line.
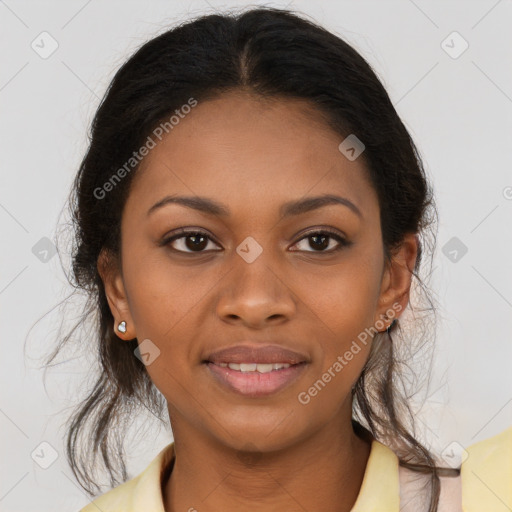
<point x="252" y="156"/>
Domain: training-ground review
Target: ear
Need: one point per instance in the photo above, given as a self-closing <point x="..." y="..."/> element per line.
<point x="110" y="274"/>
<point x="396" y="280"/>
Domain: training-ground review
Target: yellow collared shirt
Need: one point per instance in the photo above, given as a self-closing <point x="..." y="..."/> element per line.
<point x="484" y="485"/>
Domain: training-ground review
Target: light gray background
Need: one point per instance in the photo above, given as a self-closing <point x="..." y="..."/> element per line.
<point x="459" y="111"/>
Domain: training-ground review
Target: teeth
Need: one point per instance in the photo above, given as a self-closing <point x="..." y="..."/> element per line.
<point x="247" y="367"/>
<point x="255" y="367"/>
<point x="265" y="367"/>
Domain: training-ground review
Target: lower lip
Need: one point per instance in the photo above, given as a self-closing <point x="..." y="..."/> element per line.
<point x="254" y="384"/>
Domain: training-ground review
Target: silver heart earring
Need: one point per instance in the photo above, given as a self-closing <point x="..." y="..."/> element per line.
<point x="122" y="326"/>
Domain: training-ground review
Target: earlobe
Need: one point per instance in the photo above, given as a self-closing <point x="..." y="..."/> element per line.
<point x="397" y="278"/>
<point x="115" y="293"/>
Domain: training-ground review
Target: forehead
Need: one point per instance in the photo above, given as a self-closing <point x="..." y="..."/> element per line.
<point x="251" y="152"/>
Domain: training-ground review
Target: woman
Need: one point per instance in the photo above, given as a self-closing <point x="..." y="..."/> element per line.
<point x="250" y="216"/>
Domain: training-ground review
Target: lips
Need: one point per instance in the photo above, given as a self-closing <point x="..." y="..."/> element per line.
<point x="256" y="371"/>
<point x="254" y="354"/>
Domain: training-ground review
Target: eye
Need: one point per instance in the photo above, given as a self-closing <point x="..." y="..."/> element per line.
<point x="320" y="240"/>
<point x="188" y="241"/>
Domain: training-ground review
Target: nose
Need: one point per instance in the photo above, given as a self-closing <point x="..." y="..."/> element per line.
<point x="255" y="295"/>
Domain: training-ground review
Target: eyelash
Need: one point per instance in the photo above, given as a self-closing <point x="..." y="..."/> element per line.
<point x="183" y="233"/>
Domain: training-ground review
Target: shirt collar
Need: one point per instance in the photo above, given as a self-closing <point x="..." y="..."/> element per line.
<point x="380" y="490"/>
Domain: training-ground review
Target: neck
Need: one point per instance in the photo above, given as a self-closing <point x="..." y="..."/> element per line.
<point x="324" y="469"/>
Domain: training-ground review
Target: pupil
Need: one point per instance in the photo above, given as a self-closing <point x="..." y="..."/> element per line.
<point x="196" y="245"/>
<point x="324" y="238"/>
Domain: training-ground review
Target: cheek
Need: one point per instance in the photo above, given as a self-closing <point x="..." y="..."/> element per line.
<point x="344" y="306"/>
<point x="167" y="303"/>
<point x="162" y="296"/>
<point x="344" y="297"/>
<point x="160" y="304"/>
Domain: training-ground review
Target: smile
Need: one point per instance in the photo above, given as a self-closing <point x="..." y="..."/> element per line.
<point x="255" y="367"/>
<point x="255" y="379"/>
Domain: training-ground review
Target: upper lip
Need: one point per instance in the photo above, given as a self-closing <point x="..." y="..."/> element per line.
<point x="247" y="353"/>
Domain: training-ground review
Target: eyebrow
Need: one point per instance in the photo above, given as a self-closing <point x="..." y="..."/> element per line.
<point x="211" y="207"/>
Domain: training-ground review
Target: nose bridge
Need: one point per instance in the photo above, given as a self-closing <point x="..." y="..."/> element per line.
<point x="254" y="291"/>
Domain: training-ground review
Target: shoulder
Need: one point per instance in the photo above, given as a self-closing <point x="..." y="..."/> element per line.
<point x="487" y="474"/>
<point x="484" y="483"/>
<point x="142" y="492"/>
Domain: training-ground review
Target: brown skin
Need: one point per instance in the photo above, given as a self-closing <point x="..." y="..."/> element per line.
<point x="252" y="156"/>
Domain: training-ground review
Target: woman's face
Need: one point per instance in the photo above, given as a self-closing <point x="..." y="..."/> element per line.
<point x="257" y="276"/>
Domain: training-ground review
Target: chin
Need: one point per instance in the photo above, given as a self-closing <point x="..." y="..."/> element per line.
<point x="265" y="436"/>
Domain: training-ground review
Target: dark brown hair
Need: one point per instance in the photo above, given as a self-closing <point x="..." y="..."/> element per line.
<point x="272" y="53"/>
